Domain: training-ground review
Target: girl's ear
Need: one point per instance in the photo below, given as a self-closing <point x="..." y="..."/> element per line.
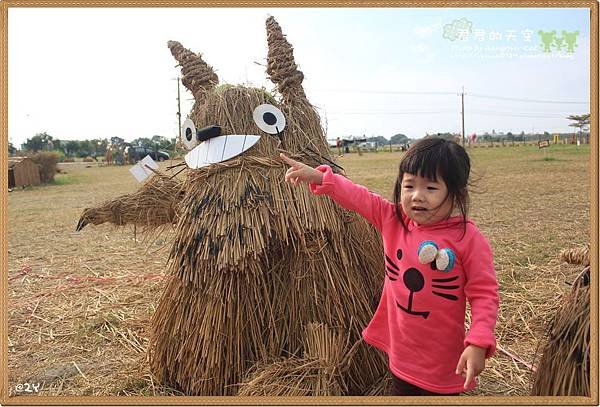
<point x="198" y="76"/>
<point x="281" y="66"/>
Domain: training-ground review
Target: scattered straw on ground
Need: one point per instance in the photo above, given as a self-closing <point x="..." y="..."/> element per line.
<point x="80" y="303"/>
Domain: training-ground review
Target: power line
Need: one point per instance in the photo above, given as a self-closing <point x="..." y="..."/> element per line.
<point x="476" y="95"/>
<point x="567" y="110"/>
<point x="376" y="113"/>
<point x="391" y="92"/>
<point x="525" y="100"/>
<point x="508" y="114"/>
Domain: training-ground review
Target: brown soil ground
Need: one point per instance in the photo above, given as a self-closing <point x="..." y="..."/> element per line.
<point x="80" y="302"/>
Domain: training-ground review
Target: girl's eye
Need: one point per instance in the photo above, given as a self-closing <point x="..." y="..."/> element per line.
<point x="432" y="188"/>
<point x="407" y="186"/>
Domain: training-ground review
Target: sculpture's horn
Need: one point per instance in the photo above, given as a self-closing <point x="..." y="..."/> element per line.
<point x="280" y="63"/>
<point x="198" y="76"/>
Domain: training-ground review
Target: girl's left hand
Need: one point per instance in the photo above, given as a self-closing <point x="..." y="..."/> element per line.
<point x="471" y="363"/>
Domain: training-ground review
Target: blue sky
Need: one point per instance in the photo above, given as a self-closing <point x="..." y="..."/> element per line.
<point x="87" y="73"/>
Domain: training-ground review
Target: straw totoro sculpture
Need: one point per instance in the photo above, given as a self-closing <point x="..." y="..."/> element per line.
<point x="269" y="286"/>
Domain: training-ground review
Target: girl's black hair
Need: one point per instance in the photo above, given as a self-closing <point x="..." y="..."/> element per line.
<point x="433" y="156"/>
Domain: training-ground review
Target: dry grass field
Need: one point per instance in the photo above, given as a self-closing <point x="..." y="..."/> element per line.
<point x="80" y="302"/>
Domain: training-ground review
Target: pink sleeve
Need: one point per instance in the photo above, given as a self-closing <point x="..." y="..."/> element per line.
<point x="481" y="290"/>
<point x="352" y="196"/>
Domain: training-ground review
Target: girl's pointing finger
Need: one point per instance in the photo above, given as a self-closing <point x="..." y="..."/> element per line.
<point x="288" y="160"/>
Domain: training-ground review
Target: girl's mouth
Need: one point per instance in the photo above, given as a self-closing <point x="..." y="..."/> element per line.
<point x="419" y="209"/>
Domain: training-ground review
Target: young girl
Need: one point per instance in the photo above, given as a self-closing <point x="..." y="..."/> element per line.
<point x="434" y="262"/>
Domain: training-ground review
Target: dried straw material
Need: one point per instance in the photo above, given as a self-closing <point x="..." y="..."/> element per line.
<point x="258" y="268"/>
<point x="564" y="369"/>
<point x="577" y="255"/>
<point x="281" y="66"/>
<point x="265" y="259"/>
<point x="198" y="76"/>
<point x="152" y="205"/>
<point x="317" y="373"/>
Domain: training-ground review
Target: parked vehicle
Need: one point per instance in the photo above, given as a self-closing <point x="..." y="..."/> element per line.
<point x="136" y="153"/>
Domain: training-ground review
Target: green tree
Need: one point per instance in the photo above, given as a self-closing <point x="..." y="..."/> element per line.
<point x="399" y="139"/>
<point x="58" y="145"/>
<point x="85" y="148"/>
<point x="581" y="122"/>
<point x="71" y="147"/>
<point x="380" y="140"/>
<point x="11" y="149"/>
<point x="98" y="147"/>
<point x="142" y="142"/>
<point x="38" y="142"/>
<point x="116" y="141"/>
<point x="162" y="143"/>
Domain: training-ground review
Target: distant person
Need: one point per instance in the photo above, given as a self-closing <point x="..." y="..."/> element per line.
<point x="338" y="143"/>
<point x="436" y="260"/>
<point x="109" y="156"/>
<point x="118" y="157"/>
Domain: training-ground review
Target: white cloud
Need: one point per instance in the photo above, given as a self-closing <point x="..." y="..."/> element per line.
<point x="427" y="31"/>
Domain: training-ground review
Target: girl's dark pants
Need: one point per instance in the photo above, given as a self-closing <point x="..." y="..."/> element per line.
<point x="402" y="388"/>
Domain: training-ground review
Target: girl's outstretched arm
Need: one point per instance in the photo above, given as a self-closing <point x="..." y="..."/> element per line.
<point x="344" y="192"/>
<point x="300" y="172"/>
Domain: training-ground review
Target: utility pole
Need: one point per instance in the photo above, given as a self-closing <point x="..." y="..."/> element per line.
<point x="462" y="113"/>
<point x="178" y="109"/>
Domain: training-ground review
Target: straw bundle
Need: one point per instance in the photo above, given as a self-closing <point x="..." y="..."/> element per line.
<point x="564" y="369"/>
<point x="255" y="263"/>
<point x="315" y="374"/>
<point x="198" y="76"/>
<point x="152" y="205"/>
<point x="281" y="66"/>
<point x="577" y="255"/>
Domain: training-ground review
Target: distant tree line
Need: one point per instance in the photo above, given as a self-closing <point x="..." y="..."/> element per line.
<point x="97" y="147"/>
<point x="396" y="139"/>
<point x="89" y="148"/>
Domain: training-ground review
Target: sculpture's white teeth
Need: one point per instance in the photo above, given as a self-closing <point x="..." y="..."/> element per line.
<point x="218" y="149"/>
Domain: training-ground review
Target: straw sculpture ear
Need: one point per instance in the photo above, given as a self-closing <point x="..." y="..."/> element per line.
<point x="198" y="76"/>
<point x="281" y="66"/>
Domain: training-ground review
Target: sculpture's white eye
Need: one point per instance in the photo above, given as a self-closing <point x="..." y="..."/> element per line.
<point x="188" y="134"/>
<point x="269" y="119"/>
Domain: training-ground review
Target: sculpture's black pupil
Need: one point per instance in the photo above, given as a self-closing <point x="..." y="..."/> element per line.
<point x="188" y="134"/>
<point x="269" y="118"/>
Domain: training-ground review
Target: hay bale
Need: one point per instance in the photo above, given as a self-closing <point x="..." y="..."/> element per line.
<point x="47" y="160"/>
<point x="564" y="368"/>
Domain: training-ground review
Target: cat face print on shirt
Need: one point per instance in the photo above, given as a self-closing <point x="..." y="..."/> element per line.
<point x="435" y="264"/>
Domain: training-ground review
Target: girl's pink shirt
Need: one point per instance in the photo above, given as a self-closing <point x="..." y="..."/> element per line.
<point x="420" y="320"/>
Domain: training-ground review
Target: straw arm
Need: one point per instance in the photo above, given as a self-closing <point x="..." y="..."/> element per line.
<point x="153" y="205"/>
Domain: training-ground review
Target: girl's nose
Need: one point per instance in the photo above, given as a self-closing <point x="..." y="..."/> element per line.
<point x="417" y="195"/>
